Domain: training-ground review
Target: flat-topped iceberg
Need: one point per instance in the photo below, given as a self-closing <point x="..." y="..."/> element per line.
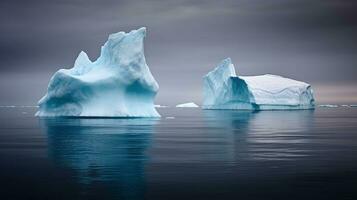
<point x="118" y="84"/>
<point x="223" y="89"/>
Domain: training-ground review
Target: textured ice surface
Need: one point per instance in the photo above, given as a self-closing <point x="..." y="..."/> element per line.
<point x="187" y="105"/>
<point x="223" y="89"/>
<point x="118" y="84"/>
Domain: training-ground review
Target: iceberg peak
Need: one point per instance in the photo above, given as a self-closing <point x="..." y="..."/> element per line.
<point x="82" y="64"/>
<point x="224" y="70"/>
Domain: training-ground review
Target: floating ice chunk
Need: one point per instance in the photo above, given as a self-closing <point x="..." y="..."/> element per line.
<point x="187" y="105"/>
<point x="8" y="106"/>
<point x="328" y="105"/>
<point x="223" y="89"/>
<point x="353" y="105"/>
<point x="118" y="84"/>
<point x="160" y="106"/>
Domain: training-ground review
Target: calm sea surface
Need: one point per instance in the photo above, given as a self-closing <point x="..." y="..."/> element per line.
<point x="187" y="154"/>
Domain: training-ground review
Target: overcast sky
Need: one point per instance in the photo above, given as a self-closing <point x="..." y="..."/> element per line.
<point x="312" y="41"/>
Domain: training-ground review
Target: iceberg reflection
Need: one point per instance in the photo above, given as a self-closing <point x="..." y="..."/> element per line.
<point x="109" y="153"/>
<point x="267" y="135"/>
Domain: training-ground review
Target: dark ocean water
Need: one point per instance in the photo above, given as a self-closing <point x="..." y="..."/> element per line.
<point x="187" y="154"/>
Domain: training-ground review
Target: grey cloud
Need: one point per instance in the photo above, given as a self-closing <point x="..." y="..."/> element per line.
<point x="308" y="40"/>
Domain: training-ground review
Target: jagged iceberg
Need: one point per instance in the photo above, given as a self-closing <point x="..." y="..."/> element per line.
<point x="187" y="105"/>
<point x="223" y="89"/>
<point x="118" y="84"/>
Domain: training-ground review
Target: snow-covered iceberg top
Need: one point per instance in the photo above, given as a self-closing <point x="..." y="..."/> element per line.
<point x="187" y="105"/>
<point x="118" y="84"/>
<point x="223" y="89"/>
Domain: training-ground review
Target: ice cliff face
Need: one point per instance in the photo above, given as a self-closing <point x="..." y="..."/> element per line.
<point x="223" y="89"/>
<point x="118" y="84"/>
